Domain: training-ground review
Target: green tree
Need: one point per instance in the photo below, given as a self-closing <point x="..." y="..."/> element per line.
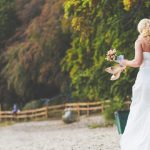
<point x="8" y="19"/>
<point x="8" y="25"/>
<point x="98" y="26"/>
<point x="32" y="69"/>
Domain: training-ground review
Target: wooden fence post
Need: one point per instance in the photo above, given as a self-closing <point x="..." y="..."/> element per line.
<point x="46" y="112"/>
<point x="32" y="115"/>
<point x="102" y="107"/>
<point x="0" y="112"/>
<point x="78" y="109"/>
<point x="88" y="111"/>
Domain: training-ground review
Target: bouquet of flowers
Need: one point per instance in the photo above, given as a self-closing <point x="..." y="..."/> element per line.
<point x="116" y="69"/>
<point x="111" y="55"/>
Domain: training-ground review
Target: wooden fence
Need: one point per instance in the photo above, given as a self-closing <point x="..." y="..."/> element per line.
<point x="87" y="108"/>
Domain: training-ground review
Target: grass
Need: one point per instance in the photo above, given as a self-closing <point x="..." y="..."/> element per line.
<point x="102" y="125"/>
<point x="6" y="123"/>
<point x="55" y="114"/>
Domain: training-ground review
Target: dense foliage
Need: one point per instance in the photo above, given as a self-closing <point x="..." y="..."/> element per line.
<point x="32" y="58"/>
<point x="8" y="19"/>
<point x="98" y="26"/>
<point x="51" y="47"/>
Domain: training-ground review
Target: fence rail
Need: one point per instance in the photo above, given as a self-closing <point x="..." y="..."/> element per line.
<point x="44" y="112"/>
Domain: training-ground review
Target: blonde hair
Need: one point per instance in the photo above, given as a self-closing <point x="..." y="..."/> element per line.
<point x="144" y="27"/>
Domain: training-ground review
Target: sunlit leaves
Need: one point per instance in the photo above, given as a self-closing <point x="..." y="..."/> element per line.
<point x="80" y="14"/>
<point x="128" y="4"/>
<point x="95" y="31"/>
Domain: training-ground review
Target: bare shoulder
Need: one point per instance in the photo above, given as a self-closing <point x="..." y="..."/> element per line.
<point x="139" y="40"/>
<point x="139" y="43"/>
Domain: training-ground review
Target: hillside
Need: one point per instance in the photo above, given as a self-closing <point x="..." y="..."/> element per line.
<point x="32" y="52"/>
<point x="58" y="47"/>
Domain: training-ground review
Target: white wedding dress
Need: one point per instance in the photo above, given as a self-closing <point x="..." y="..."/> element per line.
<point x="136" y="135"/>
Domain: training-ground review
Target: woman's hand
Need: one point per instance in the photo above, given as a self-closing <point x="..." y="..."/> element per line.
<point x="123" y="63"/>
<point x="123" y="67"/>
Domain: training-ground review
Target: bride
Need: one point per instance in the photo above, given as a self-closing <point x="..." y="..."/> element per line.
<point x="136" y="135"/>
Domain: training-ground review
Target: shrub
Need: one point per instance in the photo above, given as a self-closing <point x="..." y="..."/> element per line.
<point x="33" y="105"/>
<point x="114" y="105"/>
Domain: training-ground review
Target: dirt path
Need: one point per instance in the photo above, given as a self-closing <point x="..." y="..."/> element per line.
<point x="55" y="135"/>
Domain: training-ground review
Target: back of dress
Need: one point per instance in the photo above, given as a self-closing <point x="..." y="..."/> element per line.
<point x="146" y="60"/>
<point x="136" y="135"/>
<point x="145" y="43"/>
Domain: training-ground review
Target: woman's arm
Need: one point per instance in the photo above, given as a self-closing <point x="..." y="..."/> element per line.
<point x="138" y="58"/>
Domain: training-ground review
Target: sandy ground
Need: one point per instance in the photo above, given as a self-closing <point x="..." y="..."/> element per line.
<point x="55" y="135"/>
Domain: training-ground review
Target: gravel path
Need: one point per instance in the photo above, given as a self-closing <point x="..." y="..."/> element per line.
<point x="55" y="135"/>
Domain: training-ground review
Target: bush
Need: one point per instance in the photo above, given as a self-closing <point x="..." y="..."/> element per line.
<point x="33" y="105"/>
<point x="57" y="100"/>
<point x="114" y="105"/>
